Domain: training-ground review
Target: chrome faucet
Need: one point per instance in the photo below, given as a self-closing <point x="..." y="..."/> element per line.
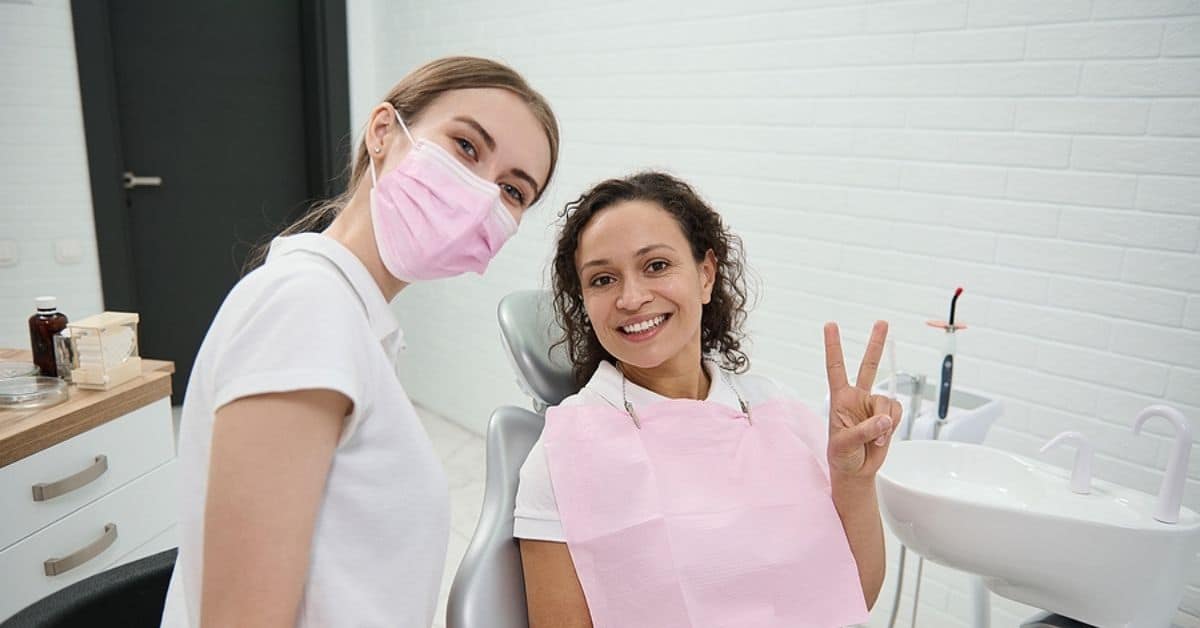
<point x="914" y="400"/>
<point x="1170" y="493"/>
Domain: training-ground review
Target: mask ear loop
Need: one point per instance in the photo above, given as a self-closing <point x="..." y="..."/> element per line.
<point x="374" y="181"/>
<point x="405" y="127"/>
<point x="413" y="142"/>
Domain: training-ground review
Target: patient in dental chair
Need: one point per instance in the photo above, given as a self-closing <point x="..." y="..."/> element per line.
<point x="676" y="489"/>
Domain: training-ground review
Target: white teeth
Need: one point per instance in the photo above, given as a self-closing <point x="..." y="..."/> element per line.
<point x="644" y="325"/>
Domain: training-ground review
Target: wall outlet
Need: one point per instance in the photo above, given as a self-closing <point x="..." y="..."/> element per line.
<point x="68" y="251"/>
<point x="10" y="253"/>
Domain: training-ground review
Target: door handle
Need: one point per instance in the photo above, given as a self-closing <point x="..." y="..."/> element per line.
<point x="133" y="181"/>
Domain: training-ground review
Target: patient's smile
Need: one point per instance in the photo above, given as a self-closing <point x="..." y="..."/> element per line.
<point x="645" y="329"/>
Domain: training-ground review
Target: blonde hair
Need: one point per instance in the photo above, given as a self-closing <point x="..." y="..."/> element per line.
<point x="410" y="97"/>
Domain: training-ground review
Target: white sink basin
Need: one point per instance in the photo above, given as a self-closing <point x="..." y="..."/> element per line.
<point x="1100" y="558"/>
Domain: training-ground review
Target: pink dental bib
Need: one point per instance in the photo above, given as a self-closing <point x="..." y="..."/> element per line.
<point x="701" y="518"/>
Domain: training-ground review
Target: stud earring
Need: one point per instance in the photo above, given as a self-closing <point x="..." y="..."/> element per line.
<point x="377" y="149"/>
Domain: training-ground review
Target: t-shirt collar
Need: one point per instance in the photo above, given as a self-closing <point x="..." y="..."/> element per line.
<point x="606" y="382"/>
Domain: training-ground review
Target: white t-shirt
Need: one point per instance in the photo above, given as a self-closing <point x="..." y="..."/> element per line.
<point x="312" y="317"/>
<point x="536" y="513"/>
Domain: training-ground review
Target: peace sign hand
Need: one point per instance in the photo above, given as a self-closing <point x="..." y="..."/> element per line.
<point x="860" y="424"/>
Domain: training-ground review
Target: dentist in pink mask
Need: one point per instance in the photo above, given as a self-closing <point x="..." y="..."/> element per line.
<point x="310" y="494"/>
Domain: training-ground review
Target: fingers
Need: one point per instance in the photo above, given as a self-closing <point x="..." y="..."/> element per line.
<point x="862" y="434"/>
<point x="874" y="405"/>
<point x="870" y="362"/>
<point x="882" y="406"/>
<point x="876" y="455"/>
<point x="835" y="364"/>
<point x="879" y="428"/>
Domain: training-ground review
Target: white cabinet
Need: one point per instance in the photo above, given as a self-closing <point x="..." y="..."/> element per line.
<point x="104" y="497"/>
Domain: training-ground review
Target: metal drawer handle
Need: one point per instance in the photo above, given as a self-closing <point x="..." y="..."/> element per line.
<point x="44" y="491"/>
<point x="56" y="566"/>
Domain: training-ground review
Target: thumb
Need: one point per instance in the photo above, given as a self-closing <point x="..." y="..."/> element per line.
<point x="856" y="436"/>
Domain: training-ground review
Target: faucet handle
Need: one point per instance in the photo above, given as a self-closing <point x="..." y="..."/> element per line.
<point x="1170" y="493"/>
<point x="1081" y="474"/>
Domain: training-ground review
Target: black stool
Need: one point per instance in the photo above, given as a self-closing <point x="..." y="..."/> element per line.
<point x="1050" y="620"/>
<point x="131" y="596"/>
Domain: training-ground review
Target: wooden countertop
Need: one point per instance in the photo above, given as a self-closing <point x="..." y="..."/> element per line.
<point x="26" y="432"/>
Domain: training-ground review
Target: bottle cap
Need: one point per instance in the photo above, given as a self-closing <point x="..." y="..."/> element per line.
<point x="46" y="303"/>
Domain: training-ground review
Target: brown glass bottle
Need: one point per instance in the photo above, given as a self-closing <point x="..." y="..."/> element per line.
<point x="42" y="327"/>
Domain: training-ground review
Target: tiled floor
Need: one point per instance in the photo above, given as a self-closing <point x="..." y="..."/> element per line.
<point x="463" y="455"/>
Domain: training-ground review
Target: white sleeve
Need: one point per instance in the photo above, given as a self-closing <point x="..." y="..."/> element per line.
<point x="536" y="513"/>
<point x="296" y="331"/>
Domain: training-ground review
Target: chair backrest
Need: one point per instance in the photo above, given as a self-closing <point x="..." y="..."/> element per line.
<point x="528" y="330"/>
<point x="489" y="587"/>
<point x="130" y="595"/>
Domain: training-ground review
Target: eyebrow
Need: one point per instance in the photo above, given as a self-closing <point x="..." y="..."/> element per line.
<point x="640" y="252"/>
<point x="473" y="123"/>
<point x="521" y="174"/>
<point x="491" y="144"/>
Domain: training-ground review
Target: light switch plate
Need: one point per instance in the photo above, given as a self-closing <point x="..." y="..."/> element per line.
<point x="68" y="251"/>
<point x="10" y="253"/>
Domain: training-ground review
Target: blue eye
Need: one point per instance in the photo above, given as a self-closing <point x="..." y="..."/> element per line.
<point x="467" y="148"/>
<point x="513" y="192"/>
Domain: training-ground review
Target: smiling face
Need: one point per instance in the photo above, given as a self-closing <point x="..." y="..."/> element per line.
<point x="642" y="287"/>
<point x="491" y="131"/>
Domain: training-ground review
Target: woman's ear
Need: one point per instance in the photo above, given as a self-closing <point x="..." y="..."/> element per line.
<point x="708" y="276"/>
<point x="381" y="129"/>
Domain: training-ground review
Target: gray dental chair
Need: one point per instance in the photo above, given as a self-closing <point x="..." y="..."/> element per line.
<point x="489" y="588"/>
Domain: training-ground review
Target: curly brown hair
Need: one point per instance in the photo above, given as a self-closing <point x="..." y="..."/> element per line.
<point x="721" y="318"/>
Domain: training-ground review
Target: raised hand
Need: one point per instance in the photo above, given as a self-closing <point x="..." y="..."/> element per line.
<point x="860" y="424"/>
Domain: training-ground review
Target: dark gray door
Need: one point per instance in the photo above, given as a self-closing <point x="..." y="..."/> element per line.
<point x="210" y="98"/>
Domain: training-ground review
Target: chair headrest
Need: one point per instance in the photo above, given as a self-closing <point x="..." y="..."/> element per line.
<point x="528" y="329"/>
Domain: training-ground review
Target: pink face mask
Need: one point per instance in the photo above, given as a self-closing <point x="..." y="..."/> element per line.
<point x="434" y="218"/>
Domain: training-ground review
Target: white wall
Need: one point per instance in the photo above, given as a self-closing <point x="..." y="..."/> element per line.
<point x="1046" y="155"/>
<point x="44" y="187"/>
<point x="874" y="155"/>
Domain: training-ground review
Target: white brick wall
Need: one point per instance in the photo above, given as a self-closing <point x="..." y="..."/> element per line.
<point x="874" y="154"/>
<point x="43" y="168"/>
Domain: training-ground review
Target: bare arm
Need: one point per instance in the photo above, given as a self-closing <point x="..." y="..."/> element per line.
<point x="552" y="589"/>
<point x="858" y="509"/>
<point x="270" y="458"/>
<point x="860" y="433"/>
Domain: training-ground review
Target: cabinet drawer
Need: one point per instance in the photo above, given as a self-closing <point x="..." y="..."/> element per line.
<point x="134" y="514"/>
<point x="76" y="471"/>
<point x="163" y="541"/>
